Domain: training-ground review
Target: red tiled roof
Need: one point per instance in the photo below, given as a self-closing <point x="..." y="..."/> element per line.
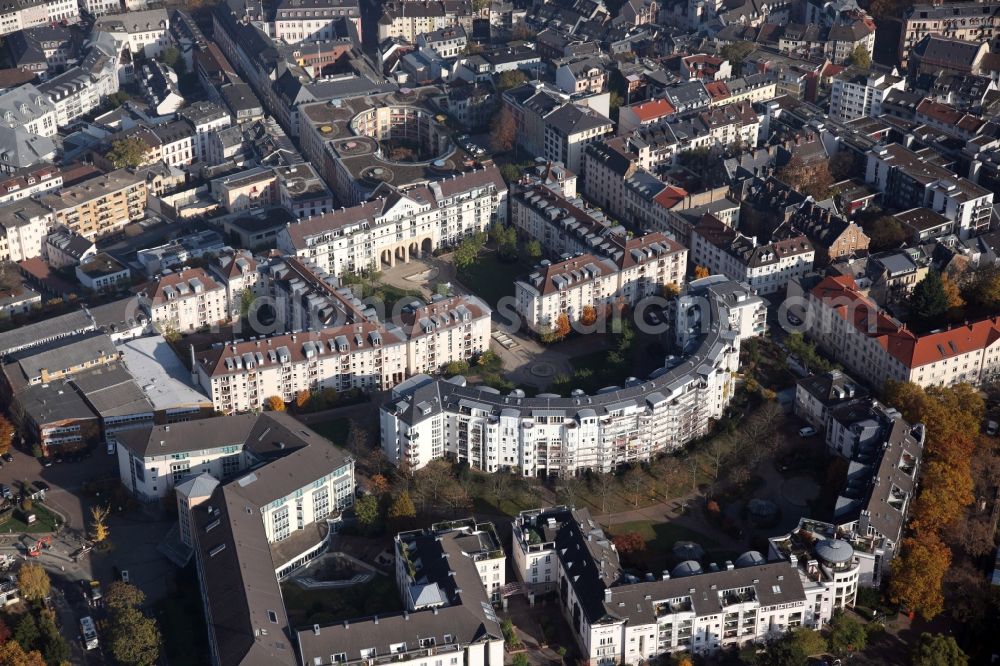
<point x="908" y="348"/>
<point x="649" y="111"/>
<point x="670" y="196"/>
<point x="718" y="90"/>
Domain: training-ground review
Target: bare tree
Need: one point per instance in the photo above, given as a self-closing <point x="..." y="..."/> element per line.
<point x="975" y="535"/>
<point x="357" y="439"/>
<point x="569" y="490"/>
<point x="430" y="484"/>
<point x="758" y="432"/>
<point x="604" y="481"/>
<point x="500" y="486"/>
<point x="634" y="481"/>
<point x="376" y="461"/>
<point x="673" y="476"/>
<point x="717" y="450"/>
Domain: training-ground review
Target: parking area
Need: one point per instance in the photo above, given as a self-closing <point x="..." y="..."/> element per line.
<point x="66" y="480"/>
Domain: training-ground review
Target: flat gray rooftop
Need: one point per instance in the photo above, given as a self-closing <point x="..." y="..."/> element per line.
<point x="160" y="374"/>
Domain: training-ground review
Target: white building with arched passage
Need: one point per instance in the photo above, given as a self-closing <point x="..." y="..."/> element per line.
<point x="400" y="224"/>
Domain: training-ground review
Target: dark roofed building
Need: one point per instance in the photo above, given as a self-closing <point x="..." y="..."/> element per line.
<point x="934" y="54"/>
<point x="236" y="519"/>
<point x="448" y="576"/>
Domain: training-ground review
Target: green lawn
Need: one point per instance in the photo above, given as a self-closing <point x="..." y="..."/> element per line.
<point x="45" y="521"/>
<point x="305" y="607"/>
<point x="660" y="539"/>
<point x="492" y="279"/>
<point x="334" y="430"/>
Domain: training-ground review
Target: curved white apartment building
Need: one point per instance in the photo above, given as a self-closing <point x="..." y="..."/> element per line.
<point x="427" y="418"/>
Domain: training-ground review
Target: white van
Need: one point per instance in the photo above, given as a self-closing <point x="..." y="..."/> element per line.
<point x="88" y="632"/>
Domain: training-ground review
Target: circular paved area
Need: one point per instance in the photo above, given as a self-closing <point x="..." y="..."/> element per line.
<point x="542" y="369"/>
<point x="799" y="490"/>
<point x="423" y="277"/>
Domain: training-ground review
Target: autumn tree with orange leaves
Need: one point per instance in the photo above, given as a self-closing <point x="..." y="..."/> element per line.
<point x="630" y="542"/>
<point x="952" y="417"/>
<point x="562" y="327"/>
<point x="302" y="398"/>
<point x="917" y="573"/>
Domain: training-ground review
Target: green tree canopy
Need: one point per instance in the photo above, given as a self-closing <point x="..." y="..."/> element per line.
<point x="366" y="510"/>
<point x="885" y="232"/>
<point x="505" y="238"/>
<point x="937" y="650"/>
<point x="510" y="79"/>
<point x="929" y="300"/>
<point x="53" y="645"/>
<point x="510" y="173"/>
<point x="467" y="252"/>
<point x="120" y="595"/>
<point x="130" y="153"/>
<point x="861" y="58"/>
<point x="173" y="59"/>
<point x="847" y="635"/>
<point x="736" y="53"/>
<point x="134" y="638"/>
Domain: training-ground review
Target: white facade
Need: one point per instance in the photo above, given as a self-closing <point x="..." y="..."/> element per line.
<point x="587" y="281"/>
<point x="908" y="179"/>
<point x="101" y="7"/>
<point x="856" y="95"/>
<point x="18" y="16"/>
<point x="766" y="268"/>
<point x="22" y="234"/>
<point x="205" y="125"/>
<point x="427" y="419"/>
<point x="365" y="356"/>
<point x="29" y="182"/>
<point x="28" y="108"/>
<point x="411" y="223"/>
<point x="185" y="301"/>
<point x="145" y="31"/>
<point x="687" y="609"/>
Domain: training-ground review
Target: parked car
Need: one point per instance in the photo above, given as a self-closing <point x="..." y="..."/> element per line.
<point x="5" y="491"/>
<point x="807" y="431"/>
<point x="46" y="461"/>
<point x="111" y="448"/>
<point x="124" y="575"/>
<point x="992" y="428"/>
<point x="8" y="457"/>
